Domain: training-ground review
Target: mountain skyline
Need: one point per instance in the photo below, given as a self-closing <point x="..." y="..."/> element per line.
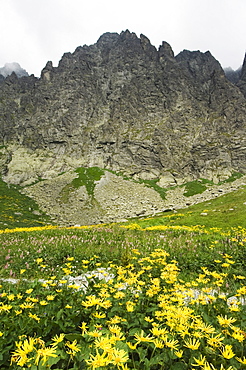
<point x="34" y="32"/>
<point x="14" y="66"/>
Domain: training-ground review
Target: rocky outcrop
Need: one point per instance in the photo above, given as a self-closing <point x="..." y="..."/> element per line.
<point x="123" y="105"/>
<point x="114" y="199"/>
<point x="110" y="202"/>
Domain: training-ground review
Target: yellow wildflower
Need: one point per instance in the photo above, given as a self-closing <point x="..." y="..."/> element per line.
<point x="118" y="357"/>
<point x="173" y="344"/>
<point x="115" y="320"/>
<point x="99" y="315"/>
<point x="34" y="316"/>
<point x="57" y="339"/>
<point x="91" y="301"/>
<point x="158" y="343"/>
<point x="73" y="348"/>
<point x="130" y="306"/>
<point x="142" y="338"/>
<point x="119" y="295"/>
<point x="95" y="333"/>
<point x="224" y="321"/>
<point x="242" y="290"/>
<point x="11" y="297"/>
<point x="43" y="303"/>
<point x="158" y="331"/>
<point x="26" y="305"/>
<point x="50" y="297"/>
<point x="238" y="336"/>
<point x="5" y="307"/>
<point x="148" y="319"/>
<point x="83" y="327"/>
<point x="23" y="348"/>
<point x="215" y="341"/>
<point x="131" y="346"/>
<point x="105" y="304"/>
<point x="192" y="344"/>
<point x="98" y="360"/>
<point x="104" y="343"/>
<point x="227" y="352"/>
<point x="199" y="361"/>
<point x="62" y="281"/>
<point x="45" y="353"/>
<point x="179" y="353"/>
<point x="115" y="329"/>
<point x="242" y="360"/>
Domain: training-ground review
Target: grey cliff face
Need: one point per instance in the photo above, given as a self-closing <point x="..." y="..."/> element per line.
<point x="121" y="104"/>
<point x="242" y="81"/>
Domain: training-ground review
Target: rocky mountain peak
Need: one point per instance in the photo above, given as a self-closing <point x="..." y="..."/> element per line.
<point x="165" y="50"/>
<point x="9" y="68"/>
<point x="199" y="64"/>
<point x="46" y="72"/>
<point x="108" y="38"/>
<point x="123" y="105"/>
<point x="243" y="73"/>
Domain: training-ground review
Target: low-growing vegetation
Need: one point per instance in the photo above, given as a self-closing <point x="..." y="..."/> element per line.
<point x="88" y="177"/>
<point x="18" y="210"/>
<point x="164" y="292"/>
<point x="196" y="187"/>
<point x="123" y="297"/>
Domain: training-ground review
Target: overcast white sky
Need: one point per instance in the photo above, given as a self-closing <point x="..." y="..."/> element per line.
<point x="35" y="31"/>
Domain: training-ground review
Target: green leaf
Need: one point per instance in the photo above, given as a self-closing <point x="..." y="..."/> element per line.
<point x="53" y="360"/>
<point x="59" y="314"/>
<point x="142" y="353"/>
<point x="178" y="366"/>
<point x="157" y="359"/>
<point x="133" y="331"/>
<point x="33" y="367"/>
<point x="73" y="337"/>
<point x="122" y="345"/>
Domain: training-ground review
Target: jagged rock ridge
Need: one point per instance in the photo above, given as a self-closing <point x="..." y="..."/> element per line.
<point x="123" y="105"/>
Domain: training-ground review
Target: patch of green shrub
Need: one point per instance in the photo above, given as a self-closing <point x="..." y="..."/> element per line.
<point x="195" y="187"/>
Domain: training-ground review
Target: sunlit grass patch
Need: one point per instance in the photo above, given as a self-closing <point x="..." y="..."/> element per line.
<point x="18" y="210"/>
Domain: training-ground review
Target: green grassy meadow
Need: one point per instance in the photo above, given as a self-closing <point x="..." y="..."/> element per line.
<point x="18" y="210"/>
<point x="164" y="292"/>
